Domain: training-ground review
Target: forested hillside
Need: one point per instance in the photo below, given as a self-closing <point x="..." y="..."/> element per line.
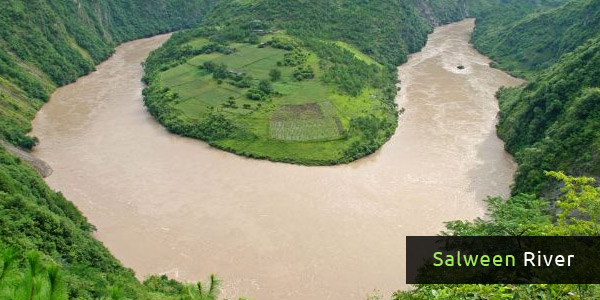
<point x="332" y="99"/>
<point x="349" y="46"/>
<point x="45" y="44"/>
<point x="552" y="122"/>
<point x="46" y="247"/>
<point x="536" y="41"/>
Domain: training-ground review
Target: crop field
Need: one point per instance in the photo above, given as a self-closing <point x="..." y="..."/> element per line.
<point x="247" y="58"/>
<point x="305" y="119"/>
<point x="199" y="92"/>
<point x="305" y="122"/>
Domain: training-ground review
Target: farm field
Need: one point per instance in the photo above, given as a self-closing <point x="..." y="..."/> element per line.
<point x="303" y="120"/>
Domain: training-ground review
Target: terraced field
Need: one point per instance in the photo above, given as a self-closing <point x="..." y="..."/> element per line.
<point x="305" y="122"/>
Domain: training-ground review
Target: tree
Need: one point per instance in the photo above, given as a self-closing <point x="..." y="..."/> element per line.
<point x="38" y="280"/>
<point x="275" y="74"/>
<point x="201" y="291"/>
<point x="265" y="87"/>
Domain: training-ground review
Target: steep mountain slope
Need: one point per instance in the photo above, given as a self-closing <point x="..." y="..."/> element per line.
<point x="537" y="41"/>
<point x="46" y="43"/>
<point x="35" y="218"/>
<point x="553" y="123"/>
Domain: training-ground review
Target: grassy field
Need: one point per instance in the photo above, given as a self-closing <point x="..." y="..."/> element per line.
<point x="303" y="120"/>
<point x="357" y="53"/>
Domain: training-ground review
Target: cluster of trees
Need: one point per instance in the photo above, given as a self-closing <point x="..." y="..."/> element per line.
<point x="211" y="127"/>
<point x="553" y="123"/>
<point x="47" y="251"/>
<point x="524" y="43"/>
<point x="350" y="74"/>
<point x="284" y="42"/>
<point x="373" y="133"/>
<point x="304" y="72"/>
<point x="526" y="214"/>
<point x="296" y="57"/>
<point x="219" y="71"/>
<point x="261" y="92"/>
<point x="550" y="123"/>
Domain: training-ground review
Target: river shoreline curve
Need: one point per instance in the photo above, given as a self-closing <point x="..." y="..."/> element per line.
<point x="164" y="204"/>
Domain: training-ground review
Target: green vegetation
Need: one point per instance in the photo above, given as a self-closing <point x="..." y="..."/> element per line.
<point x="287" y="81"/>
<point x="340" y="53"/>
<point x="536" y="41"/>
<point x="286" y="90"/>
<point x="45" y="44"/>
<point x="47" y="249"/>
<point x="277" y="100"/>
<point x="525" y="214"/>
<point x="553" y="123"/>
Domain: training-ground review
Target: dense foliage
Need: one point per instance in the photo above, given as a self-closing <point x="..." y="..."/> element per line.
<point x="526" y="43"/>
<point x="525" y="214"/>
<point x="45" y="43"/>
<point x="553" y="123"/>
<point x="357" y="45"/>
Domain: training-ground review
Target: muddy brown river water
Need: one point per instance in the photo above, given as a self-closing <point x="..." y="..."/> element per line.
<point x="167" y="204"/>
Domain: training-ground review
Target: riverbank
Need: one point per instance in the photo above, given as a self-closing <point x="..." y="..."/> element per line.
<point x="325" y="105"/>
<point x="173" y="205"/>
<point x="39" y="165"/>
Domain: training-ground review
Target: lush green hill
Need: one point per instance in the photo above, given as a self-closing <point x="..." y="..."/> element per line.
<point x="46" y="43"/>
<point x="352" y="48"/>
<point x="553" y="123"/>
<point x="334" y="100"/>
<point x="536" y="41"/>
<point x="40" y="225"/>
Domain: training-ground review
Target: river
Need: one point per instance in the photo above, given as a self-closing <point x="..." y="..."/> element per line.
<point x="167" y="204"/>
